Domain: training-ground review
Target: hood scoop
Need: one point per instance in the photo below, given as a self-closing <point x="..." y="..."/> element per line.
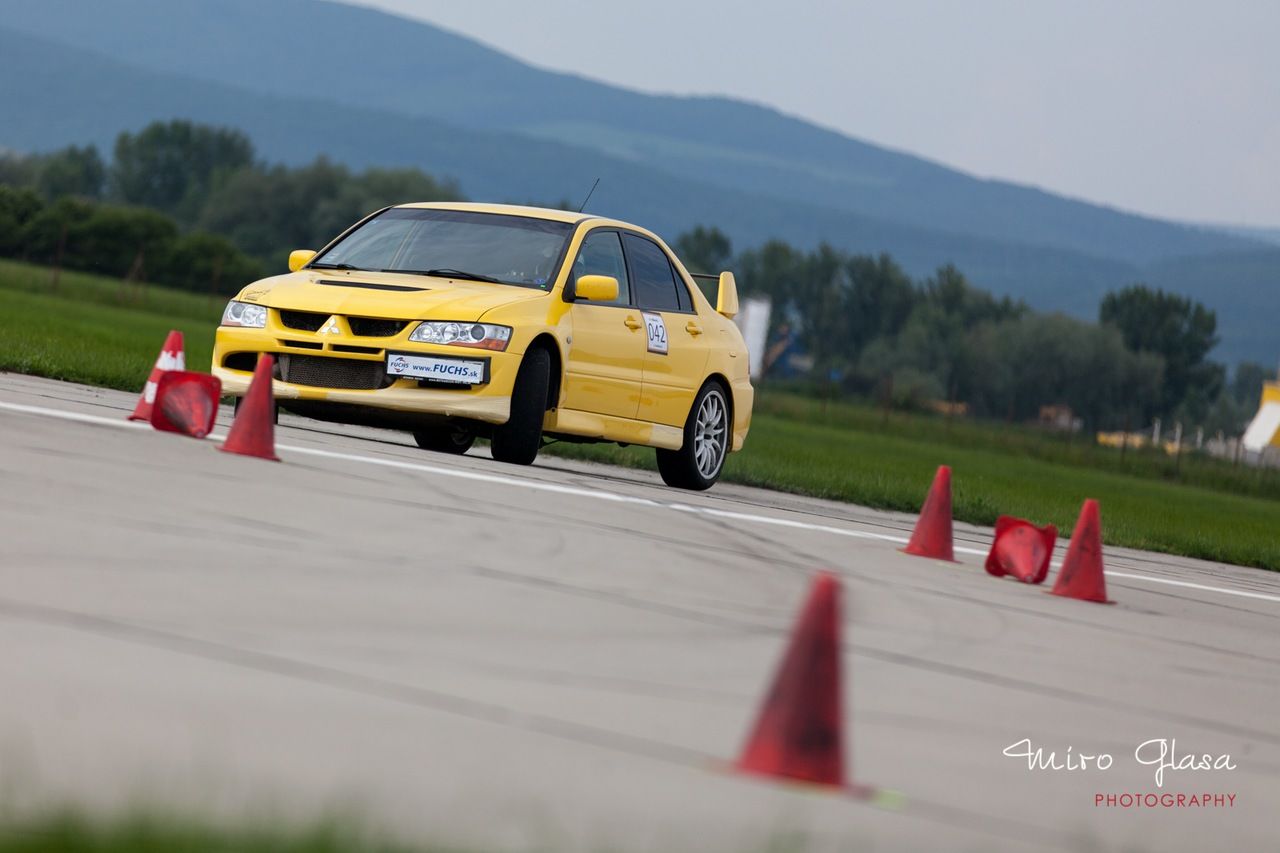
<point x="368" y="285"/>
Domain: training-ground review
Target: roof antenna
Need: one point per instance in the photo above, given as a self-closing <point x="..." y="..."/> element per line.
<point x="588" y="198"/>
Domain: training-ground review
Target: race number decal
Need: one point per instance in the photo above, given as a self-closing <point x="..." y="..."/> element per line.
<point x="657" y="331"/>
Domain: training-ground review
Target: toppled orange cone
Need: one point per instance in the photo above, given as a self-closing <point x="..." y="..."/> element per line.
<point x="1021" y="549"/>
<point x="798" y="733"/>
<point x="171" y="357"/>
<point x="186" y="402"/>
<point x="932" y="535"/>
<point x="253" y="431"/>
<point x="1081" y="574"/>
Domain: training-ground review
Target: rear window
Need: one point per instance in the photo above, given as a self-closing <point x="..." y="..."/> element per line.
<point x="652" y="277"/>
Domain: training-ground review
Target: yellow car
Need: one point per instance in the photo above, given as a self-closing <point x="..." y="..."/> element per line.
<point x="518" y="324"/>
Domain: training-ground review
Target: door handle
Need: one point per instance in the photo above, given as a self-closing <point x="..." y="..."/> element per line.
<point x="693" y="328"/>
<point x="631" y="322"/>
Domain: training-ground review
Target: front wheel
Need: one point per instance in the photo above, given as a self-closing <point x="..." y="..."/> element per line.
<point x="455" y="438"/>
<point x="698" y="463"/>
<point x="518" y="440"/>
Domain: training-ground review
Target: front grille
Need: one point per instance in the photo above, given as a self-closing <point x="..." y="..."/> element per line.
<point x="307" y="321"/>
<point x="368" y="327"/>
<point x="321" y="372"/>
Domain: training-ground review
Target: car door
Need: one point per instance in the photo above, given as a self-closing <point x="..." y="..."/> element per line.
<point x="606" y="355"/>
<point x="675" y="358"/>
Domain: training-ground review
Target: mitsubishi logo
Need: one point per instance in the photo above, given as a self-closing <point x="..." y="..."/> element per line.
<point x="330" y="327"/>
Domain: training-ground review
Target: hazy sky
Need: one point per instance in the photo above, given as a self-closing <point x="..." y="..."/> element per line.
<point x="1159" y="106"/>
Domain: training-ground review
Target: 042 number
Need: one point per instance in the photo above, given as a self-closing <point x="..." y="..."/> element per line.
<point x="657" y="331"/>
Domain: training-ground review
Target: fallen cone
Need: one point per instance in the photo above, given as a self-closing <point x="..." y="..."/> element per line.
<point x="1021" y="549"/>
<point x="1081" y="573"/>
<point x="171" y="358"/>
<point x="252" y="433"/>
<point x="798" y="733"/>
<point x="186" y="402"/>
<point x="932" y="536"/>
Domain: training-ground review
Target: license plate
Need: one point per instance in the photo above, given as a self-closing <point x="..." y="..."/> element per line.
<point x="458" y="370"/>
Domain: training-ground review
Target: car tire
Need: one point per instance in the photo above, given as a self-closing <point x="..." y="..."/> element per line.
<point x="707" y="434"/>
<point x="519" y="439"/>
<point x="454" y="438"/>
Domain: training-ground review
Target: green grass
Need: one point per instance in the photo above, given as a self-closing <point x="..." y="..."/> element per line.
<point x="95" y="331"/>
<point x="891" y="471"/>
<point x="71" y="831"/>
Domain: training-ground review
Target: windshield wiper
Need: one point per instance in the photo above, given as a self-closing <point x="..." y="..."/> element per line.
<point x="446" y="272"/>
<point x="336" y="267"/>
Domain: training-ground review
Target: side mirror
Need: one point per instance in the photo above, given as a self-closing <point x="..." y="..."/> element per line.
<point x="299" y="258"/>
<point x="727" y="297"/>
<point x="596" y="288"/>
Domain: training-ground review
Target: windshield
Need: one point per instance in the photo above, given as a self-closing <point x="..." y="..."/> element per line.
<point x="491" y="247"/>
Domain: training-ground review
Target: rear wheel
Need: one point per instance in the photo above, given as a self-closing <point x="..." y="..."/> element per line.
<point x="697" y="464"/>
<point x="454" y="438"/>
<point x="518" y="440"/>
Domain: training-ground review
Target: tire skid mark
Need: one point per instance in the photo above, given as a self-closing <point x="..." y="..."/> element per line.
<point x="472" y="709"/>
<point x="541" y="484"/>
<point x="900" y="658"/>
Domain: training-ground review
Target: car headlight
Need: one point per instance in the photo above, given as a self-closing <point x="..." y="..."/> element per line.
<point x="478" y="335"/>
<point x="244" y="314"/>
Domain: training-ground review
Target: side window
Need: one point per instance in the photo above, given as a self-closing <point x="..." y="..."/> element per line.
<point x="655" y="284"/>
<point x="682" y="292"/>
<point x="601" y="254"/>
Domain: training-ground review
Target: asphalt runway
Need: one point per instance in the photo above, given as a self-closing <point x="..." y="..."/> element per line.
<point x="568" y="656"/>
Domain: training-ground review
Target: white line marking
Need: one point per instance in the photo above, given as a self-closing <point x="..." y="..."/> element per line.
<point x="462" y="474"/>
<point x="600" y="494"/>
<point x="1241" y="592"/>
<point x="74" y="416"/>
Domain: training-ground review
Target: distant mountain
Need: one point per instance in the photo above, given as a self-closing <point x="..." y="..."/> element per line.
<point x="1263" y="235"/>
<point x="55" y="95"/>
<point x="369" y="59"/>
<point x="1243" y="287"/>
<point x="304" y="78"/>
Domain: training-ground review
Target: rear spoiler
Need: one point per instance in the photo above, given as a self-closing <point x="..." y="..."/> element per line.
<point x="727" y="295"/>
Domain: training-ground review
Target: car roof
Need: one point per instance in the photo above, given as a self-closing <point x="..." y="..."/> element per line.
<point x="508" y="209"/>
<point x="553" y="214"/>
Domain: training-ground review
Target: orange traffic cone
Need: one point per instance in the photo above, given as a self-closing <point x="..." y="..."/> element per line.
<point x="798" y="733"/>
<point x="1021" y="549"/>
<point x="171" y="358"/>
<point x="186" y="402"/>
<point x="253" y="431"/>
<point x="932" y="536"/>
<point x="1081" y="573"/>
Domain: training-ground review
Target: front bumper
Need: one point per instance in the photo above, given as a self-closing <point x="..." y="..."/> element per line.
<point x="489" y="402"/>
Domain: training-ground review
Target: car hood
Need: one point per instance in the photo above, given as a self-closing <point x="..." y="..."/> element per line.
<point x="384" y="295"/>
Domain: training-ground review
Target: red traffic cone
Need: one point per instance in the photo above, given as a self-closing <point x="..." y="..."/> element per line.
<point x="1081" y="573"/>
<point x="253" y="431"/>
<point x="932" y="536"/>
<point x="798" y="733"/>
<point x="186" y="402"/>
<point x="171" y="358"/>
<point x="1021" y="549"/>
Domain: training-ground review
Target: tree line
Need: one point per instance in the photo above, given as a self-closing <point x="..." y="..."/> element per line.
<point x="186" y="205"/>
<point x="870" y="329"/>
<point x="192" y="206"/>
